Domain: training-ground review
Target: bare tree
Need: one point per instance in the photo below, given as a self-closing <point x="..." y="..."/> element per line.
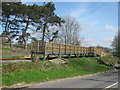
<point x="116" y="44"/>
<point x="70" y="31"/>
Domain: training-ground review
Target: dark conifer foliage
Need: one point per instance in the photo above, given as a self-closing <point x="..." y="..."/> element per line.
<point x="49" y="18"/>
<point x="18" y="19"/>
<point x="9" y="21"/>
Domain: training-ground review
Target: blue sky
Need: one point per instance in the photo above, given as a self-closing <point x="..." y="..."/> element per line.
<point x="98" y="20"/>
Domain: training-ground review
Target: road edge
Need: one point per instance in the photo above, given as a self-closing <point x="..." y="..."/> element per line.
<point x="34" y="83"/>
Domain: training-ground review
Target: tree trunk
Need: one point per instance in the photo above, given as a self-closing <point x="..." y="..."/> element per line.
<point x="11" y="46"/>
<point x="44" y="28"/>
<point x="65" y="39"/>
<point x="25" y="44"/>
<point x="10" y="39"/>
<point x="24" y="37"/>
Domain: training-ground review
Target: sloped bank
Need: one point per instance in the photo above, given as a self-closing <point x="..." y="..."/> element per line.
<point x="28" y="72"/>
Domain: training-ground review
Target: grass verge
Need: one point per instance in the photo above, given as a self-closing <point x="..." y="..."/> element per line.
<point x="29" y="72"/>
<point x="109" y="59"/>
<point x="14" y="57"/>
<point x="5" y="48"/>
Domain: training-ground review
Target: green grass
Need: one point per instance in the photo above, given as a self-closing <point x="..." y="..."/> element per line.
<point x="108" y="59"/>
<point x="28" y="72"/>
<point x="14" y="57"/>
<point x="5" y="48"/>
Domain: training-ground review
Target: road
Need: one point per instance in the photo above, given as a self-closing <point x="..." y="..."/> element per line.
<point x="104" y="80"/>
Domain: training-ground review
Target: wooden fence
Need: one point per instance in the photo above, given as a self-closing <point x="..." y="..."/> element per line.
<point x="49" y="48"/>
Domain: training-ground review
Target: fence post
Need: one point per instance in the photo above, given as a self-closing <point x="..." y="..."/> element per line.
<point x="70" y="49"/>
<point x="52" y="48"/>
<point x="74" y="50"/>
<point x="32" y="58"/>
<point x="38" y="46"/>
<point x="59" y="52"/>
<point x="65" y="49"/>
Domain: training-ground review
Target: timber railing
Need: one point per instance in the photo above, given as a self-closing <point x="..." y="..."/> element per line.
<point x="49" y="48"/>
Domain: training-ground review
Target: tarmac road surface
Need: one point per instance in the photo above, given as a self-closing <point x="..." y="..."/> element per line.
<point x="103" y="80"/>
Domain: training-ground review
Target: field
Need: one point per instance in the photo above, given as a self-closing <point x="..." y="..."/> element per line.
<point x="15" y="52"/>
<point x="28" y="72"/>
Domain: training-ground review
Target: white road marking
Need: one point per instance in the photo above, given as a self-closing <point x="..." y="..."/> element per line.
<point x="112" y="85"/>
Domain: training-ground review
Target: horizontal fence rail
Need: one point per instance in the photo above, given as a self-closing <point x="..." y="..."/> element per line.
<point x="49" y="48"/>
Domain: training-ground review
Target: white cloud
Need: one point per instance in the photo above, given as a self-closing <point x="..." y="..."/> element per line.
<point x="78" y="12"/>
<point x="108" y="39"/>
<point x="105" y="42"/>
<point x="88" y="42"/>
<point x="35" y="34"/>
<point x="110" y="27"/>
<point x="38" y="34"/>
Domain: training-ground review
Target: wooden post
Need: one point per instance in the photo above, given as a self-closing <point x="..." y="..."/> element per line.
<point x="32" y="56"/>
<point x="59" y="52"/>
<point x="70" y="49"/>
<point x="44" y="55"/>
<point x="52" y="48"/>
<point x="69" y="56"/>
<point x="38" y="47"/>
<point x="77" y="50"/>
<point x="77" y="56"/>
<point x="36" y="57"/>
<point x="74" y="49"/>
<point x="65" y="49"/>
